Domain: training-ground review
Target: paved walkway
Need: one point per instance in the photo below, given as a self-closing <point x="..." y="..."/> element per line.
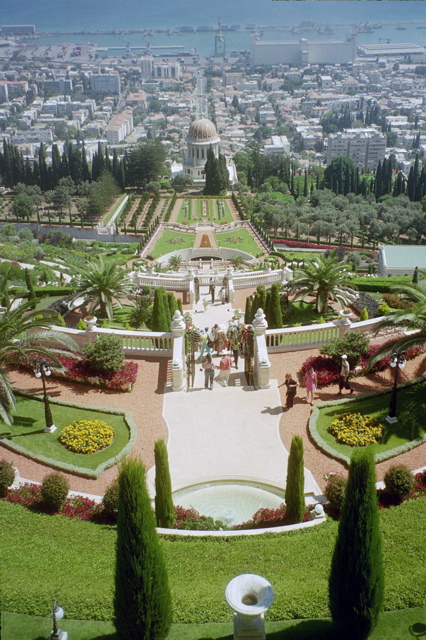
<point x="229" y="433"/>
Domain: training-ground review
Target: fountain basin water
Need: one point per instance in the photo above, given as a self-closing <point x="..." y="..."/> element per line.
<point x="232" y="502"/>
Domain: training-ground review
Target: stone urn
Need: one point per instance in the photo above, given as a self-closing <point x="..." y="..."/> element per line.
<point x="345" y="314"/>
<point x="249" y="595"/>
<point x="91" y="322"/>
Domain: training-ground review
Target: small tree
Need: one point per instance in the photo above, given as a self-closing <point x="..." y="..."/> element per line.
<point x="54" y="491"/>
<point x="106" y="354"/>
<point x="356" y="580"/>
<point x="248" y="312"/>
<point x="164" y="508"/>
<point x="142" y="603"/>
<point x="274" y="317"/>
<point x="160" y="313"/>
<point x="295" y="485"/>
<point x="7" y="476"/>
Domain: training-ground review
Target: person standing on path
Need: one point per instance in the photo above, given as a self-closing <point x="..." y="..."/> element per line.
<point x="224" y="369"/>
<point x="205" y="343"/>
<point x="234" y="342"/>
<point x="291" y="390"/>
<point x="208" y="367"/>
<point x="310" y="384"/>
<point x="211" y="289"/>
<point x="344" y="376"/>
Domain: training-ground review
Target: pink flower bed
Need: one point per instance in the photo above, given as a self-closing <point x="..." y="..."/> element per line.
<point x="384" y="363"/>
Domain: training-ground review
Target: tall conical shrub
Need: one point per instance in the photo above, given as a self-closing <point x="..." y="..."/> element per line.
<point x="142" y="603"/>
<point x="275" y="316"/>
<point x="172" y="304"/>
<point x="247" y="312"/>
<point x="160" y="313"/>
<point x="295" y="485"/>
<point x="356" y="580"/>
<point x="164" y="509"/>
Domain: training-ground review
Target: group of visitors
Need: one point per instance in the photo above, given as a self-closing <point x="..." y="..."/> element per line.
<point x="223" y="294"/>
<point x="311" y="381"/>
<point x="225" y="341"/>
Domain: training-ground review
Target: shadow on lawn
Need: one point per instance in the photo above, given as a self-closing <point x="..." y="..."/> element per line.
<point x="308" y="630"/>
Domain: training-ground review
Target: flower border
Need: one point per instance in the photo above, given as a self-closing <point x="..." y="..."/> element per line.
<point x="64" y="466"/>
<point x="379" y="457"/>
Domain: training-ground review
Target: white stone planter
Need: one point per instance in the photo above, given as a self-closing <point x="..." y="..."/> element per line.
<point x="249" y="596"/>
<point x="91" y="322"/>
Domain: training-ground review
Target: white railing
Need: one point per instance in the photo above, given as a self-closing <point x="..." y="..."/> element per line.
<point x="255" y="278"/>
<point x="313" y="335"/>
<point x="138" y="342"/>
<point x="134" y="342"/>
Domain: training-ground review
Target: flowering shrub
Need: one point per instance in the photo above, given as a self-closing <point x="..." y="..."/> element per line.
<point x="190" y="519"/>
<point x="356" y="430"/>
<point x="326" y="369"/>
<point x="384" y="363"/>
<point x="367" y="302"/>
<point x="86" y="436"/>
<point x="264" y="518"/>
<point x="81" y="371"/>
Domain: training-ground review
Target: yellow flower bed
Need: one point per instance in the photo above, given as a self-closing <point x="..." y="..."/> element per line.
<point x="87" y="436"/>
<point x="356" y="430"/>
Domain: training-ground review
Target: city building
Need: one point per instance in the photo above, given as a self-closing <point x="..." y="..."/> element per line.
<point x="277" y="146"/>
<point x="108" y="83"/>
<point x="120" y="126"/>
<point x="401" y="260"/>
<point x="366" y="147"/>
<point x="302" y="52"/>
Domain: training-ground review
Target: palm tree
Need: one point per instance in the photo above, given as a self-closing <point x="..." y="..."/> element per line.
<point x="25" y="335"/>
<point x="325" y="278"/>
<point x="175" y="262"/>
<point x="413" y="318"/>
<point x="102" y="285"/>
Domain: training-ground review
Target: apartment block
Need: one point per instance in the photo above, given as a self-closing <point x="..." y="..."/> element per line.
<point x="108" y="83"/>
<point x="366" y="147"/>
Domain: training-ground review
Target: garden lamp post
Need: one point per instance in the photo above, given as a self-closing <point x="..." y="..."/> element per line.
<point x="397" y="361"/>
<point x="57" y="614"/>
<point x="41" y="370"/>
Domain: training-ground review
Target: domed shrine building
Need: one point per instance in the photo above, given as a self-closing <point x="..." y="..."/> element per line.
<point x="202" y="133"/>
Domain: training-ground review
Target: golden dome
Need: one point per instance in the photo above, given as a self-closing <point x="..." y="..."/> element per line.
<point x="202" y="130"/>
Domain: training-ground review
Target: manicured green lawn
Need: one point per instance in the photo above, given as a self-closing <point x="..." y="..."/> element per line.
<point x="240" y="240"/>
<point x="195" y="211"/>
<point x="47" y="557"/>
<point x="304" y="312"/>
<point x="171" y="241"/>
<point x="411" y="414"/>
<point x="392" y="625"/>
<point x="27" y="431"/>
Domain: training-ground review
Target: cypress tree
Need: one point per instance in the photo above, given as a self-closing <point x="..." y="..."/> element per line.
<point x="275" y="316"/>
<point x="30" y="286"/>
<point x="295" y="484"/>
<point x="267" y="307"/>
<point x="247" y="312"/>
<point x="172" y="305"/>
<point x="164" y="509"/>
<point x="356" y="578"/>
<point x="262" y="297"/>
<point x="142" y="603"/>
<point x="160" y="312"/>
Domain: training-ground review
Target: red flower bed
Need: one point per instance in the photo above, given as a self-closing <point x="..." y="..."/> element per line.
<point x="78" y="369"/>
<point x="312" y="245"/>
<point x="265" y="518"/>
<point x="29" y="496"/>
<point x="384" y="363"/>
<point x="326" y="369"/>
